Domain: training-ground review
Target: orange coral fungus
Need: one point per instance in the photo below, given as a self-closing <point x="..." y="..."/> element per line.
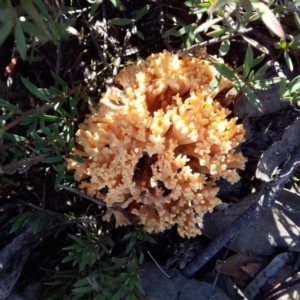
<point x="158" y="143"/>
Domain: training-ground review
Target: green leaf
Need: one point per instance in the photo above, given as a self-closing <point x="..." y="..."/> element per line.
<point x="288" y="60"/>
<point x="150" y="239"/>
<point x="5" y="30"/>
<point x="1" y="130"/>
<point x="118" y="4"/>
<point x="297" y="20"/>
<point x="140" y="35"/>
<point x="31" y="127"/>
<point x="265" y="84"/>
<point x="201" y="8"/>
<point x="20" y="221"/>
<point x="34" y="30"/>
<point x="120" y="22"/>
<point x="142" y="12"/>
<point x="100" y="297"/>
<point x="171" y="32"/>
<point x="77" y="158"/>
<point x="141" y="258"/>
<point x="59" y="80"/>
<point x="205" y="25"/>
<point x="217" y="32"/>
<point x="255" y="44"/>
<point x="39" y="223"/>
<point x="54" y="159"/>
<point x="42" y="8"/>
<point x="14" y="137"/>
<point x="85" y="280"/>
<point x="34" y="90"/>
<point x="282" y="86"/>
<point x="217" y="4"/>
<point x="225" y="71"/>
<point x="248" y="61"/>
<point x="130" y="245"/>
<point x="7" y="106"/>
<point x="256" y="61"/>
<point x="268" y="18"/>
<point x="262" y="71"/>
<point x="20" y="40"/>
<point x="119" y="294"/>
<point x="83" y="290"/>
<point x="224" y="48"/>
<point x="131" y="297"/>
<point x="252" y="97"/>
<point x="294" y="85"/>
<point x="59" y="177"/>
<point x="118" y="264"/>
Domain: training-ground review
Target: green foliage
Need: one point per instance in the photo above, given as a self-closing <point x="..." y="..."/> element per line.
<point x="225" y="19"/>
<point x="36" y="221"/>
<point x="50" y="128"/>
<point x="31" y="18"/>
<point x="100" y="275"/>
<point x="133" y="29"/>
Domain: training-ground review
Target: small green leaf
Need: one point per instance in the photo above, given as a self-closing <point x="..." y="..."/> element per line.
<point x="255" y="44"/>
<point x="118" y="4"/>
<point x="224" y="48"/>
<point x="34" y="90"/>
<point x="225" y="71"/>
<point x="31" y="127"/>
<point x="59" y="177"/>
<point x="216" y="5"/>
<point x="171" y="32"/>
<point x="119" y="294"/>
<point x="14" y="137"/>
<point x="252" y="97"/>
<point x="83" y="290"/>
<point x="141" y="258"/>
<point x="248" y="61"/>
<point x="20" y="39"/>
<point x="288" y="60"/>
<point x="296" y="19"/>
<point x="282" y="86"/>
<point x="205" y="25"/>
<point x="294" y="85"/>
<point x="59" y="80"/>
<point x="130" y="245"/>
<point x="7" y="106"/>
<point x="142" y="12"/>
<point x="77" y="158"/>
<point x="100" y="297"/>
<point x="262" y="71"/>
<point x="140" y="35"/>
<point x="120" y="22"/>
<point x="265" y="84"/>
<point x="54" y="159"/>
<point x="217" y="32"/>
<point x="39" y="223"/>
<point x="20" y="221"/>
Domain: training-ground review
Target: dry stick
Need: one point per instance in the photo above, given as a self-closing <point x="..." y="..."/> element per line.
<point x="267" y="196"/>
<point x="278" y="262"/>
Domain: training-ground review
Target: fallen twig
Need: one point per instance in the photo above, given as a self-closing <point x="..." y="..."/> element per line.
<point x="278" y="262"/>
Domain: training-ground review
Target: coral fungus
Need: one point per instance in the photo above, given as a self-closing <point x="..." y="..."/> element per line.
<point x="157" y="143"/>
